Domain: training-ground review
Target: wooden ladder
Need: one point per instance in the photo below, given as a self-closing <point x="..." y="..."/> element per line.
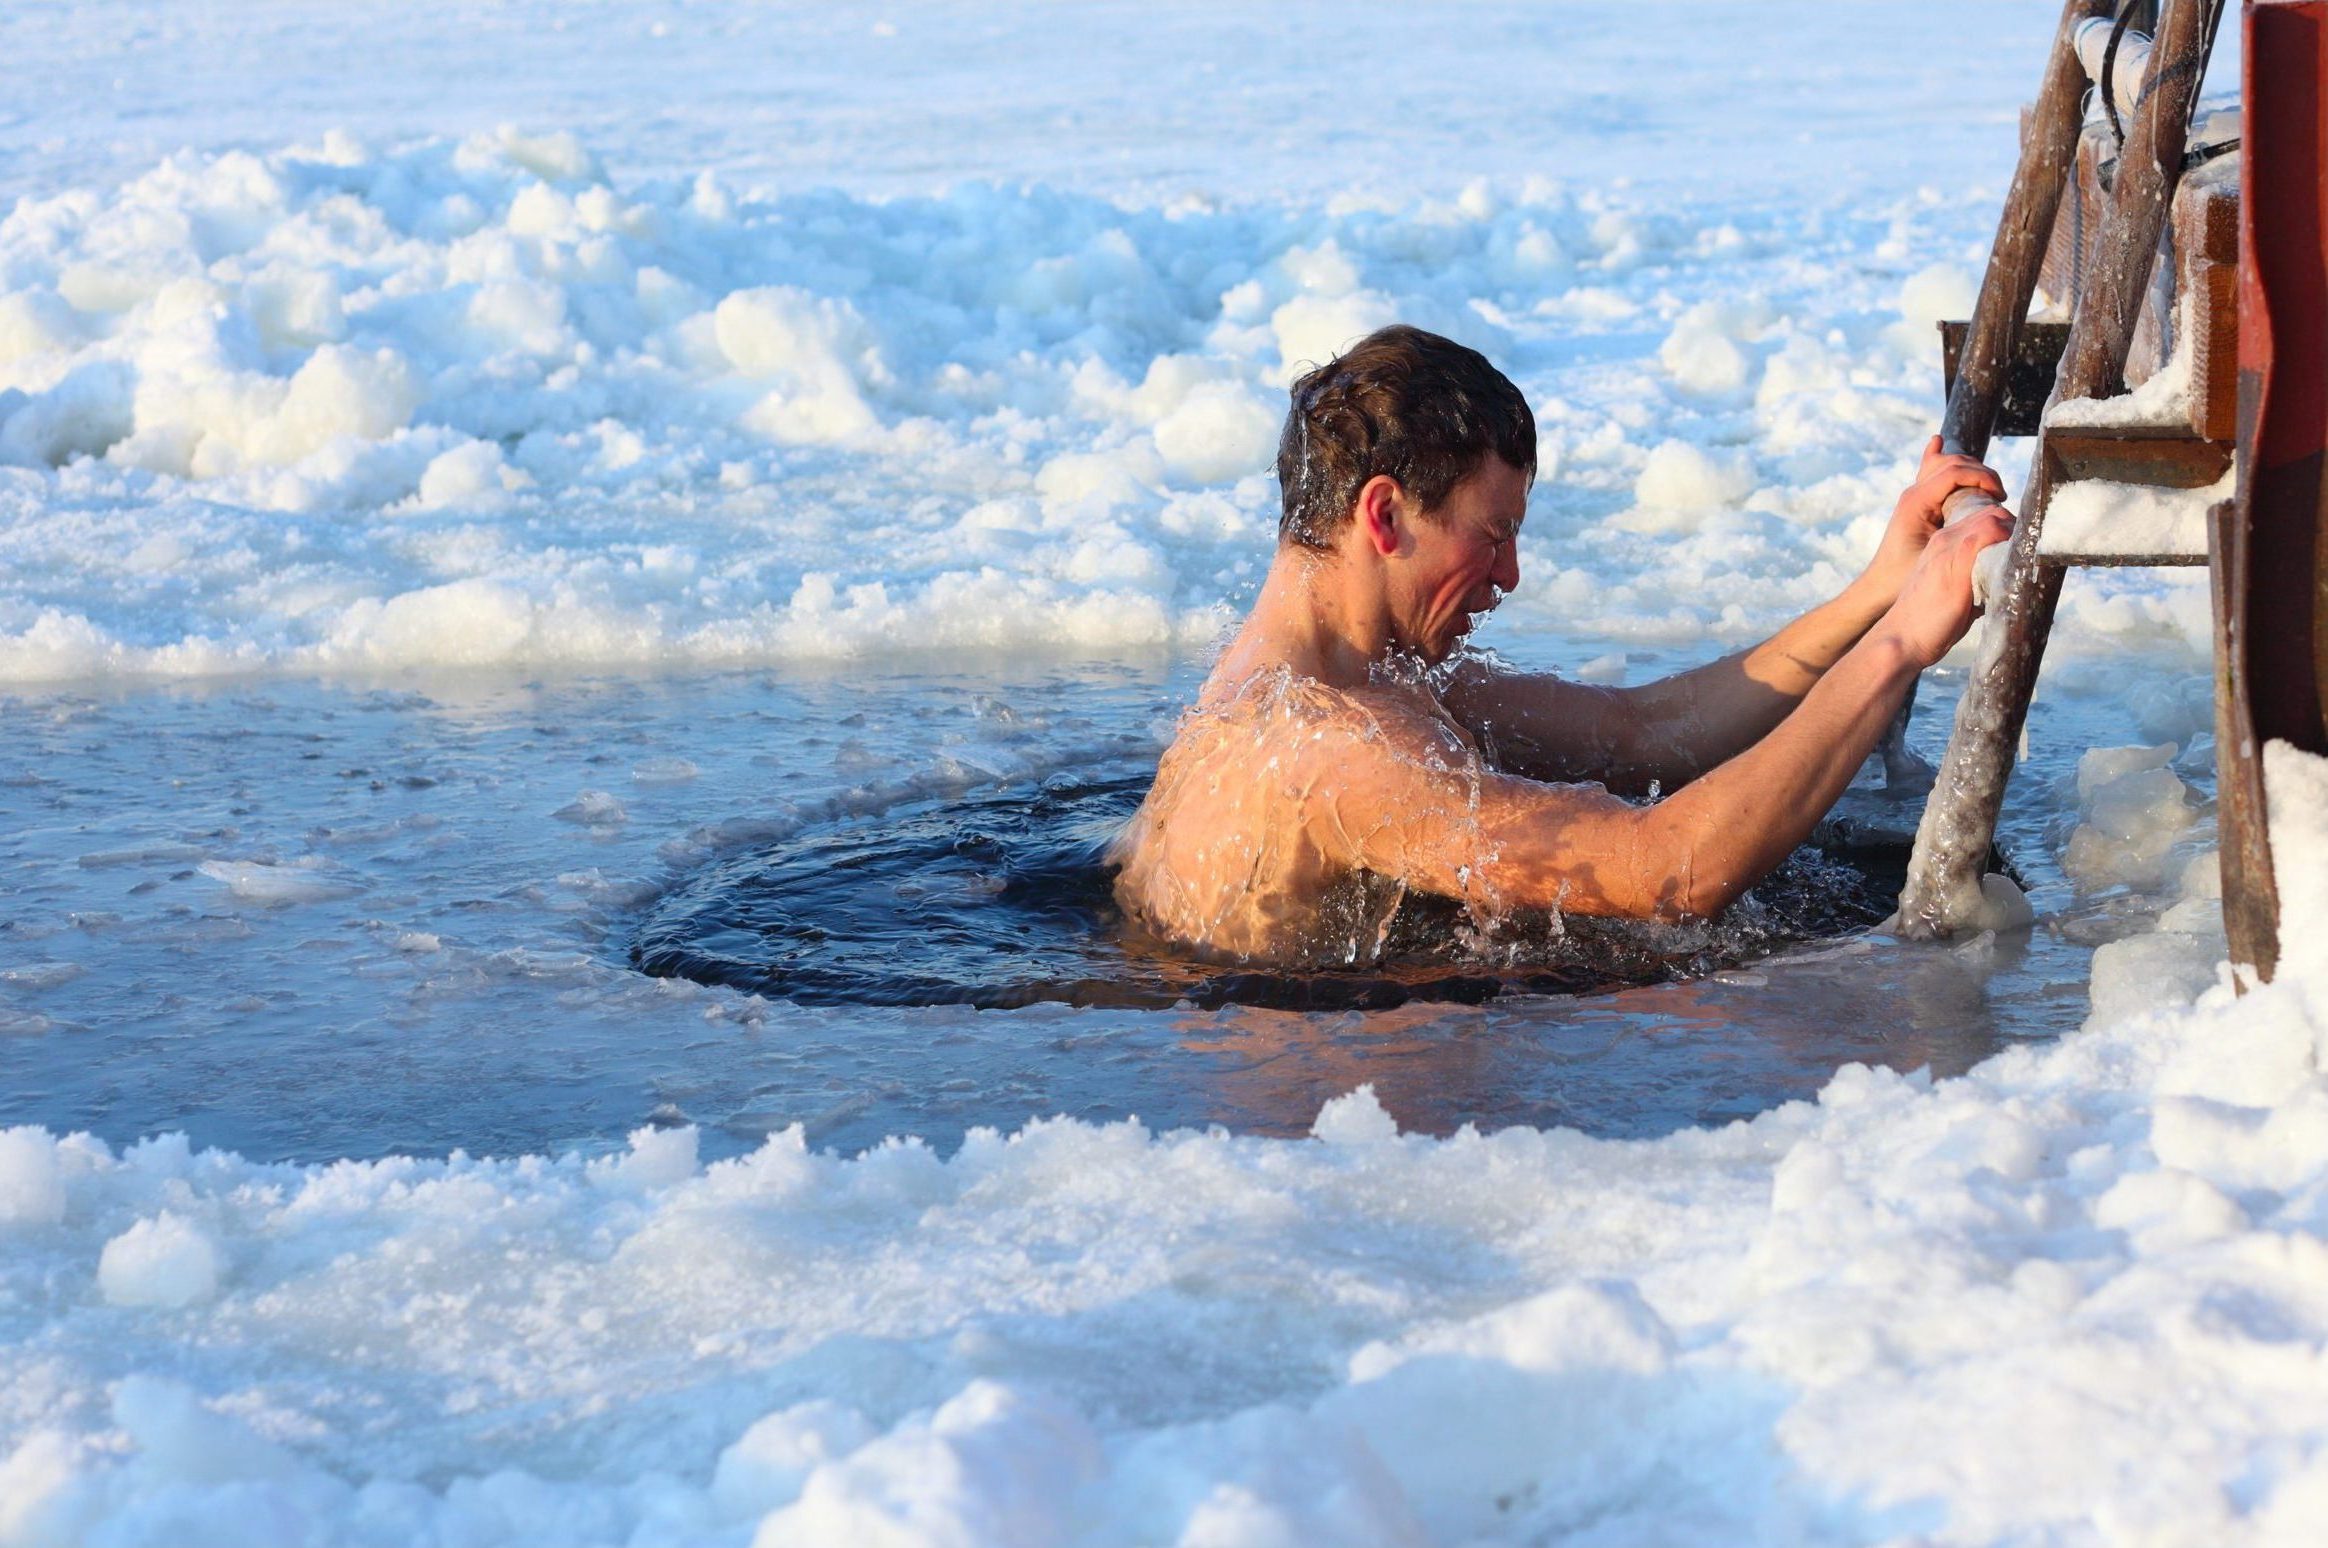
<point x="1943" y="893"/>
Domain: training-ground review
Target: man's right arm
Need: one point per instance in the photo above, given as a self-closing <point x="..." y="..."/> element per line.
<point x="1406" y="803"/>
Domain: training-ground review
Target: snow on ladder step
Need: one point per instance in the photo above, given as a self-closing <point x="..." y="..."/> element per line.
<point x="2128" y="493"/>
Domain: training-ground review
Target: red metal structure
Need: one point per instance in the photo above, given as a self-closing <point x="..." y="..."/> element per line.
<point x="2271" y="545"/>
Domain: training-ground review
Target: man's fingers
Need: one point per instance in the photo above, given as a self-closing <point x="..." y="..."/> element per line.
<point x="1964" y="501"/>
<point x="1986" y="528"/>
<point x="1962" y="472"/>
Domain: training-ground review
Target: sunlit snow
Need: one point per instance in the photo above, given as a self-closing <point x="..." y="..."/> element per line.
<point x="461" y="467"/>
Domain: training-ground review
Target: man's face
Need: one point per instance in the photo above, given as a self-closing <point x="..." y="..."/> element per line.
<point x="1465" y="556"/>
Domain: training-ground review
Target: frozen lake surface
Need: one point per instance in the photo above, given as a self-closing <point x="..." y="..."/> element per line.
<point x="304" y="921"/>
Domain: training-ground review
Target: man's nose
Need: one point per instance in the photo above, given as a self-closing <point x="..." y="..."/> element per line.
<point x="1507" y="568"/>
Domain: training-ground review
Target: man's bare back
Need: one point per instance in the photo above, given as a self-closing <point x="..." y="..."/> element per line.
<point x="1337" y="758"/>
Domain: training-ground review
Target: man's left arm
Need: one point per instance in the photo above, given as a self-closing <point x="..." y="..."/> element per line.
<point x="1667" y="733"/>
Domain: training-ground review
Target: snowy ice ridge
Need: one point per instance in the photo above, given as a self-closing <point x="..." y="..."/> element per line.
<point x="465" y="403"/>
<point x="2074" y="1296"/>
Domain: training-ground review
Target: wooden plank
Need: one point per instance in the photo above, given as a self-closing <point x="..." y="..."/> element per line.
<point x="2206" y="243"/>
<point x="2211" y="292"/>
<point x="2164" y="456"/>
<point x="2250" y="892"/>
<point x="1959" y="823"/>
<point x="2029" y="374"/>
<point x="2078" y="561"/>
<point x="2077" y="229"/>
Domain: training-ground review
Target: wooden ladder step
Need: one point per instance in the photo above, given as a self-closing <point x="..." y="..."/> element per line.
<point x="2130" y="494"/>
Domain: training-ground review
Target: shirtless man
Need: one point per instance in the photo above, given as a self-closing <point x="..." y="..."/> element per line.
<point x="1337" y="757"/>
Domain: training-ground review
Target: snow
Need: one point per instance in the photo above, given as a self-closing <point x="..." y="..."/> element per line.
<point x="2295" y="787"/>
<point x="778" y="338"/>
<point x="2164" y="398"/>
<point x="2095" y="517"/>
<point x="401" y="399"/>
<point x="1909" y="1307"/>
<point x="164" y="1261"/>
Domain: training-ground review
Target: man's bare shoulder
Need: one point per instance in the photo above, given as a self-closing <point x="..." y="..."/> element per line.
<point x="1308" y="723"/>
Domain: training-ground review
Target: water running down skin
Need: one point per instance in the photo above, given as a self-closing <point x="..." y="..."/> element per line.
<point x="1343" y="751"/>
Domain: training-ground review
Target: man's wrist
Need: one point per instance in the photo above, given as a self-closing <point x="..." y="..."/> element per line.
<point x="1889" y="645"/>
<point x="1867" y="598"/>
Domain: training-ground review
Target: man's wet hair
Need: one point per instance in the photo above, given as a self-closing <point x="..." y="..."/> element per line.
<point x="1419" y="408"/>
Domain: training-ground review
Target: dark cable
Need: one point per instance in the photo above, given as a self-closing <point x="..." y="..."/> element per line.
<point x="2110" y="69"/>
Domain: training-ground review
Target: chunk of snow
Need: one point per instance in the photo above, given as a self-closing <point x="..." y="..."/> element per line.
<point x="766" y="1466"/>
<point x="1218" y="432"/>
<point x="2094" y="516"/>
<point x="2295" y="787"/>
<point x="1681" y="481"/>
<point x="32" y="1182"/>
<point x="164" y="1261"/>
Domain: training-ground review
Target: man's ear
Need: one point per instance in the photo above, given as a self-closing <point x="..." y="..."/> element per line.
<point x="1377" y="514"/>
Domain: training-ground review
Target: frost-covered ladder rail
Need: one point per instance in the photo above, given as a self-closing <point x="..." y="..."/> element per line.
<point x="1959" y="823"/>
<point x="2048" y="153"/>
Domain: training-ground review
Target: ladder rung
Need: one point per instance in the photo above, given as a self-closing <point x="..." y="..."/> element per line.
<point x="2121" y="561"/>
<point x="2171" y="456"/>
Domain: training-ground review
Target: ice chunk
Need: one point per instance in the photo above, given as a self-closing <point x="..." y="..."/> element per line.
<point x="1681" y="479"/>
<point x="2131" y="821"/>
<point x="2155" y="971"/>
<point x="1311" y="330"/>
<point x="1610" y="668"/>
<point x="164" y="1261"/>
<point x="35" y="322"/>
<point x="1702" y="353"/>
<point x="39" y="1482"/>
<point x="664" y="771"/>
<point x="994" y="1465"/>
<point x="657" y="1158"/>
<point x="1937" y="293"/>
<point x="2098" y="766"/>
<point x="2003" y="906"/>
<point x="1604" y="1325"/>
<point x="473" y="475"/>
<point x="817" y="353"/>
<point x="340" y="391"/>
<point x="81" y="416"/>
<point x="32" y="1183"/>
<point x="766" y="1466"/>
<point x="472" y="622"/>
<point x="36" y="976"/>
<point x="1357" y="1118"/>
<point x="2167" y="1210"/>
<point x="1218" y="432"/>
<point x="297" y="881"/>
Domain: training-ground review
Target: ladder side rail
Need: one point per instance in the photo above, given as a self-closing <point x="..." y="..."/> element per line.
<point x="2024" y="227"/>
<point x="1943" y="894"/>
